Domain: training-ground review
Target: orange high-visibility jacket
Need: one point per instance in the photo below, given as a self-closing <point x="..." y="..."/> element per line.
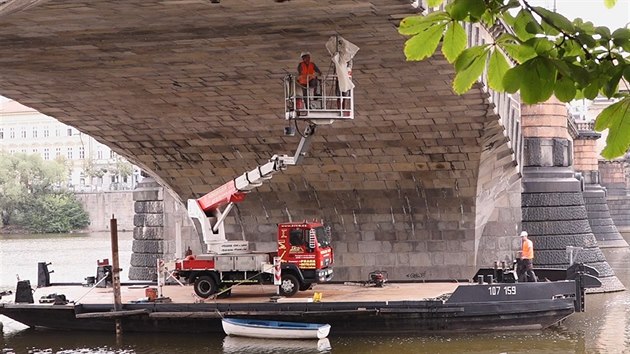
<point x="528" y="250"/>
<point x="306" y="72"/>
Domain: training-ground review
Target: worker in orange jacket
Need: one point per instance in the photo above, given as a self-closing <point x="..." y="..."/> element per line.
<point x="307" y="74"/>
<point x="527" y="259"/>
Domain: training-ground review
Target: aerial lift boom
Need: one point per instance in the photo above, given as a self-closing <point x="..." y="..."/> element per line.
<point x="205" y="211"/>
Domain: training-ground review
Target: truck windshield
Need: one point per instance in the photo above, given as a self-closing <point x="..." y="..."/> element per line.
<point x="322" y="236"/>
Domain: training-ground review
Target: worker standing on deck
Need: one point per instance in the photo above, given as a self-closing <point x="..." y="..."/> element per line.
<point x="527" y="259"/>
<point x="307" y="74"/>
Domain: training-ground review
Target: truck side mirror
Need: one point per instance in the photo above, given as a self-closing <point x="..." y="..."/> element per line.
<point x="312" y="239"/>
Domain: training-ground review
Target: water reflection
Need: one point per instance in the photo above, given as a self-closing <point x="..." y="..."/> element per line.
<point x="238" y="345"/>
<point x="603" y="328"/>
<point x="46" y="341"/>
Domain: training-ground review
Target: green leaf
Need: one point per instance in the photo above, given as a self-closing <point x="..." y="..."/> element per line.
<point x="497" y="67"/>
<point x="509" y="19"/>
<point x="460" y="9"/>
<point x="468" y="74"/>
<point x="534" y="28"/>
<point x="539" y="80"/>
<point x="586" y="39"/>
<point x="541" y="45"/>
<point x="555" y="19"/>
<point x="615" y="118"/>
<point x="523" y="18"/>
<point x="572" y="48"/>
<point x="519" y="52"/>
<point x="511" y="4"/>
<point x="455" y="41"/>
<point x="415" y="24"/>
<point x="610" y="86"/>
<point x="621" y="33"/>
<point x="610" y="3"/>
<point x="434" y="3"/>
<point x="423" y="44"/>
<point x="591" y="91"/>
<point x="549" y="30"/>
<point x="579" y="75"/>
<point x="512" y="79"/>
<point x="604" y="32"/>
<point x="468" y="56"/>
<point x="565" y="90"/>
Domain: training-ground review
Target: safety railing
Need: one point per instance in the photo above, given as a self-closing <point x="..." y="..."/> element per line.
<point x="322" y="103"/>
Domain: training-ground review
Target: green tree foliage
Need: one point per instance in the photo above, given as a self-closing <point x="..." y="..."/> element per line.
<point x="31" y="195"/>
<point x="54" y="213"/>
<point x="552" y="55"/>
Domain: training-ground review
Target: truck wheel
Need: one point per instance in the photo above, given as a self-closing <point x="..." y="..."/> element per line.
<point x="205" y="286"/>
<point x="289" y="285"/>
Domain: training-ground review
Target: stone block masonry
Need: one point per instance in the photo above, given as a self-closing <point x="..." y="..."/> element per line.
<point x="602" y="225"/>
<point x="162" y="230"/>
<point x="553" y="208"/>
<point x="191" y="91"/>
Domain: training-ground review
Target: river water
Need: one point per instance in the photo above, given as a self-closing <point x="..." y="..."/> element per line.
<point x="603" y="328"/>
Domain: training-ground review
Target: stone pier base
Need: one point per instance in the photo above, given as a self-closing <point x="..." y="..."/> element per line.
<point x="554" y="215"/>
<point x="599" y="218"/>
<point x="162" y="230"/>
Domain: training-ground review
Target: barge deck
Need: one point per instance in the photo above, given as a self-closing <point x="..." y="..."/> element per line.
<point x="349" y="309"/>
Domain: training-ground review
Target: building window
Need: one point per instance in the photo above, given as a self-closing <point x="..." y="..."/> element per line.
<point x="23" y="133"/>
<point x="46" y="154"/>
<point x="69" y="153"/>
<point x="99" y="155"/>
<point x="57" y="132"/>
<point x="46" y="132"/>
<point x="35" y="151"/>
<point x="57" y="152"/>
<point x="24" y="151"/>
<point x="81" y="152"/>
<point x="34" y="132"/>
<point x="112" y="154"/>
<point x="69" y="131"/>
<point x="1" y="133"/>
<point x="11" y="133"/>
<point x="12" y="151"/>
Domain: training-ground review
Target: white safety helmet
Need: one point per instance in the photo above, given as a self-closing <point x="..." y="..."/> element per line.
<point x="304" y="54"/>
<point x="523" y="233"/>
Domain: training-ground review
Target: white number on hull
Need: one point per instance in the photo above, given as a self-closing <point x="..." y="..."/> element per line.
<point x="507" y="290"/>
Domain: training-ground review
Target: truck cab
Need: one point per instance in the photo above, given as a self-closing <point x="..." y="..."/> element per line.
<point x="305" y="251"/>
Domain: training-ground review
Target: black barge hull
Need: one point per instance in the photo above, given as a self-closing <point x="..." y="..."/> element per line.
<point x="478" y="307"/>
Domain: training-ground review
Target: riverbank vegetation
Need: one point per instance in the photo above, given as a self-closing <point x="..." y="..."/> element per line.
<point x="33" y="197"/>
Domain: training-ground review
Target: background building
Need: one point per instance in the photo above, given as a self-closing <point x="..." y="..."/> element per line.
<point x="92" y="165"/>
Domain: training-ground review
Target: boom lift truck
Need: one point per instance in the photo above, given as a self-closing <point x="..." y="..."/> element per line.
<point x="304" y="254"/>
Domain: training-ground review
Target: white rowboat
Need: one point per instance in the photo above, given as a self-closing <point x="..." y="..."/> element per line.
<point x="274" y="329"/>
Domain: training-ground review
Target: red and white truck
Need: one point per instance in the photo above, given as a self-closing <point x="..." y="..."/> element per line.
<point x="304" y="255"/>
<point x="303" y="248"/>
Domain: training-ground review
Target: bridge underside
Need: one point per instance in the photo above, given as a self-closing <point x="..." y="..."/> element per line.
<point x="421" y="183"/>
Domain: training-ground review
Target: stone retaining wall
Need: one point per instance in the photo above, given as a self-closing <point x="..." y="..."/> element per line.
<point x="102" y="205"/>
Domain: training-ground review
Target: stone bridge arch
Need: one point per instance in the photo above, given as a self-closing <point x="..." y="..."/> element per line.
<point x="422" y="183"/>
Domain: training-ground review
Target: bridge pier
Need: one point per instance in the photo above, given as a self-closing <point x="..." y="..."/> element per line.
<point x="554" y="212"/>
<point x="614" y="179"/>
<point x="585" y="150"/>
<point x="162" y="229"/>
